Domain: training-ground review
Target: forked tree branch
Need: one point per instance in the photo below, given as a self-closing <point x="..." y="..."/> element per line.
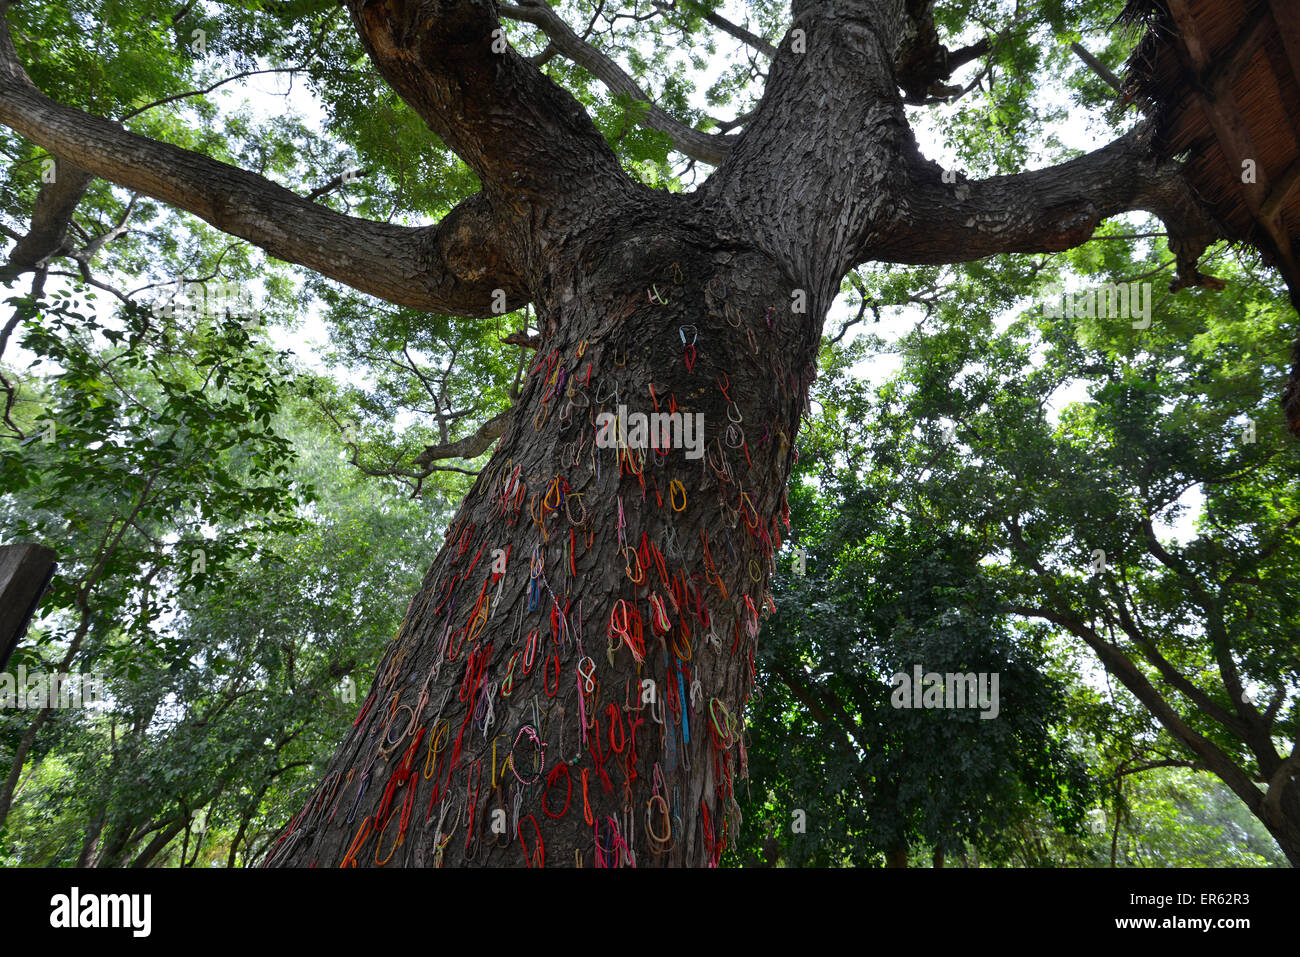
<point x="531" y="144"/>
<point x="709" y="148"/>
<point x="452" y="268"/>
<point x="1045" y="210"/>
<point x="51" y="218"/>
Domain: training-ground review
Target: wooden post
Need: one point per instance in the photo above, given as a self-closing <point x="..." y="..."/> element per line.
<point x="25" y="573"/>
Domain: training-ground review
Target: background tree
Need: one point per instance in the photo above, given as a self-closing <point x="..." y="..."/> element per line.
<point x="881" y="601"/>
<point x="128" y="459"/>
<point x="1070" y="503"/>
<point x="227" y="679"/>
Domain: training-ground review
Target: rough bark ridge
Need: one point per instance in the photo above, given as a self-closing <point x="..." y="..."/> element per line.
<point x="569" y="684"/>
<point x="599" y="542"/>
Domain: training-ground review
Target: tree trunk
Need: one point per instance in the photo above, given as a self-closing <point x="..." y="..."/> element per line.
<point x="9" y="787"/>
<point x="1280" y="812"/>
<point x="91" y="841"/>
<point x="484" y="675"/>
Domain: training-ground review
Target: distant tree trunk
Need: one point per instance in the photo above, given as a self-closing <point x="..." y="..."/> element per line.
<point x="91" y="841"/>
<point x="896" y="856"/>
<point x="10" y="785"/>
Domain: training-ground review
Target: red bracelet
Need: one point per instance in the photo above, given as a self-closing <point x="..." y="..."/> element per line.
<point x="530" y="651"/>
<point x="539" y="848"/>
<point x="586" y="802"/>
<point x="616" y="715"/>
<point x="568" y="789"/>
<point x="551" y="692"/>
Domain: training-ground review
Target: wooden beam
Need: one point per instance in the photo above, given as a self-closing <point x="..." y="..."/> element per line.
<point x="25" y="573"/>
<point x="1190" y="36"/>
<point x="1231" y="130"/>
<point x="1286" y="14"/>
<point x="1220" y="110"/>
<point x="1232" y="59"/>
<point x="1281" y="192"/>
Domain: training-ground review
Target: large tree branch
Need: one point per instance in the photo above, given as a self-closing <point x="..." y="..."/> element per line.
<point x="1046" y="210"/>
<point x="709" y="148"/>
<point x="1119" y="664"/>
<point x="51" y="217"/>
<point x="531" y="143"/>
<point x="1171" y="675"/>
<point x="451" y="268"/>
<point x="470" y="447"/>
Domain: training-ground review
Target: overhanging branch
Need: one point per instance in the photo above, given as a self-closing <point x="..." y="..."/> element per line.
<point x="709" y="148"/>
<point x="451" y="268"/>
<point x="1046" y="210"/>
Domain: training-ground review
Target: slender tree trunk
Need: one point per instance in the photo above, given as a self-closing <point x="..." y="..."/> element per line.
<point x="232" y="858"/>
<point x="1114" y="833"/>
<point x="9" y="788"/>
<point x="160" y="841"/>
<point x="96" y="827"/>
<point x="529" y="718"/>
<point x="115" y="848"/>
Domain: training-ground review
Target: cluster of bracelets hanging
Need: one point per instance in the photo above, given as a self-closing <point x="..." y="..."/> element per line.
<point x="674" y="594"/>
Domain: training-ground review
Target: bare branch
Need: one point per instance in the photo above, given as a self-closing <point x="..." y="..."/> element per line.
<point x="451" y="268"/>
<point x="707" y="147"/>
<point x="334" y="183"/>
<point x="1097" y="67"/>
<point x="732" y="29"/>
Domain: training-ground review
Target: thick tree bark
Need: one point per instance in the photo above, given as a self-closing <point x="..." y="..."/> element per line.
<point x="514" y="708"/>
<point x="697" y="534"/>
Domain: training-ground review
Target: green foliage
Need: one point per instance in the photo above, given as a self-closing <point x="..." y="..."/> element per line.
<point x="226" y="677"/>
<point x="887" y="589"/>
<point x="958" y="509"/>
